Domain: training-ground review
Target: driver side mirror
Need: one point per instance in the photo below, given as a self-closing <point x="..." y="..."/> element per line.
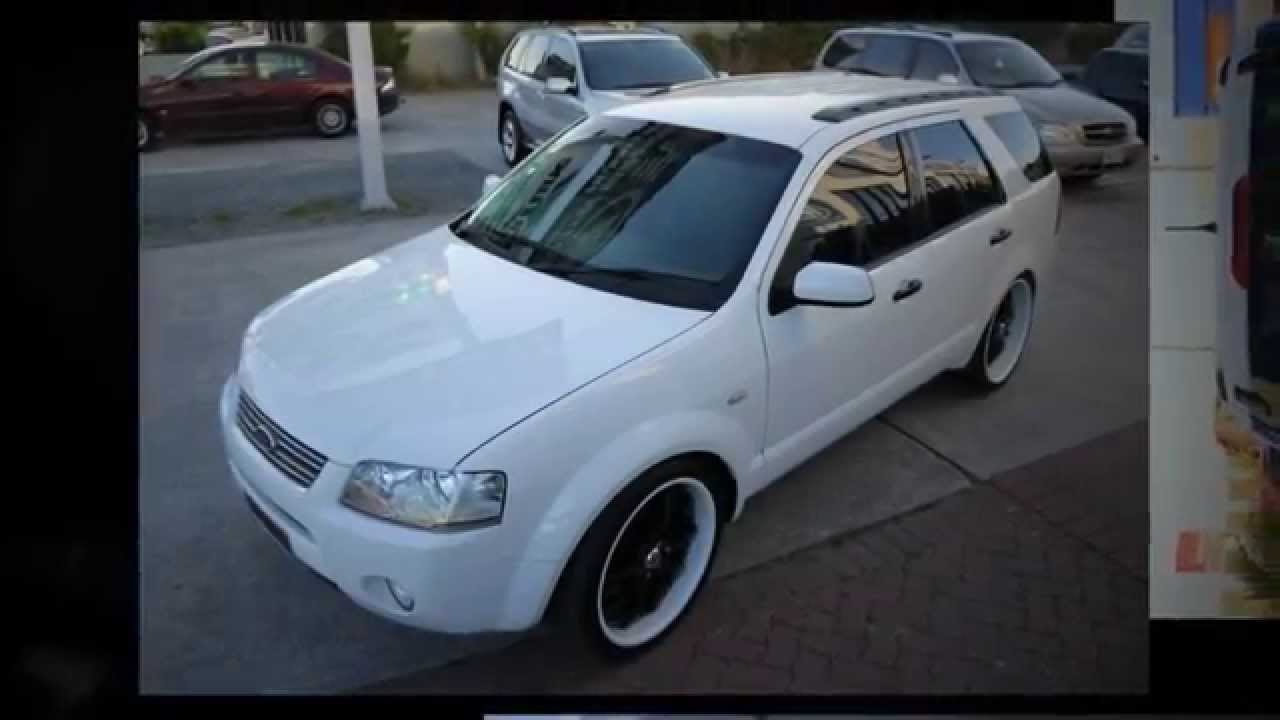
<point x="186" y="83"/>
<point x="559" y="85"/>
<point x="833" y="285"/>
<point x="949" y="79"/>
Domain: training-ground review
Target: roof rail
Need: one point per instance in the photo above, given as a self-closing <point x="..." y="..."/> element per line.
<point x="841" y="113"/>
<point x="914" y="27"/>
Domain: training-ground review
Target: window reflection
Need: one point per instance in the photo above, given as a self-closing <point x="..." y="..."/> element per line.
<point x="680" y="209"/>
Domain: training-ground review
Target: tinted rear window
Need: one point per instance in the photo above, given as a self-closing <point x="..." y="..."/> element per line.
<point x="1018" y="135"/>
<point x="958" y="181"/>
<point x="650" y="62"/>
<point x="887" y="55"/>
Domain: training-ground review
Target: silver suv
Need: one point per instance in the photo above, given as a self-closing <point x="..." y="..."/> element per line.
<point x="541" y="89"/>
<point x="1084" y="134"/>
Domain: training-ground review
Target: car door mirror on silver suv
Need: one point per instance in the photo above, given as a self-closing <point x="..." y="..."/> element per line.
<point x="833" y="285"/>
<point x="559" y="85"/>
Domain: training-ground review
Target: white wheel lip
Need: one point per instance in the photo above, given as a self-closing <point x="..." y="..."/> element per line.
<point x="143" y="133"/>
<point x="676" y="601"/>
<point x="1024" y="306"/>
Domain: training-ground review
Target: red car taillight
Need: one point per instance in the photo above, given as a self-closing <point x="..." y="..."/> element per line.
<point x="1240" y="232"/>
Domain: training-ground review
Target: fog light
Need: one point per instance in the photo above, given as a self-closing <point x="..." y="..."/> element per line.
<point x="402" y="596"/>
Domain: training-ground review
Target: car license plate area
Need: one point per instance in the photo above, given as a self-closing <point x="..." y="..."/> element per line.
<point x="276" y="531"/>
<point x="1113" y="156"/>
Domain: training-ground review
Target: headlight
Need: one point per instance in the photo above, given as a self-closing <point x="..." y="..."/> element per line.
<point x="1060" y="134"/>
<point x="389" y="85"/>
<point x="423" y="497"/>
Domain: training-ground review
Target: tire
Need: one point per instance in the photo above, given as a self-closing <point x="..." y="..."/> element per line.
<point x="331" y="117"/>
<point x="146" y="133"/>
<point x="1007" y="331"/>
<point x="626" y="541"/>
<point x="511" y="141"/>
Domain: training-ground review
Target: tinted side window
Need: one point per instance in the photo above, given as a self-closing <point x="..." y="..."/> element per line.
<point x="1018" y="135"/>
<point x="276" y="65"/>
<point x="958" y="181"/>
<point x="233" y="65"/>
<point x="932" y="60"/>
<point x="559" y="62"/>
<point x="516" y="54"/>
<point x="859" y="214"/>
<point x="887" y="55"/>
<point x="531" y="63"/>
<point x="843" y="51"/>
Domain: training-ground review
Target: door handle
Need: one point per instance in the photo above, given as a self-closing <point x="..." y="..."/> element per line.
<point x="907" y="289"/>
<point x="1001" y="235"/>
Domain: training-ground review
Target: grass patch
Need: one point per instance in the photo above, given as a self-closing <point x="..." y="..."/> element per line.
<point x="317" y="208"/>
<point x="222" y="217"/>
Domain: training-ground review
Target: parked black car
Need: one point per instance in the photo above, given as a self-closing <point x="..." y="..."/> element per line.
<point x="1119" y="74"/>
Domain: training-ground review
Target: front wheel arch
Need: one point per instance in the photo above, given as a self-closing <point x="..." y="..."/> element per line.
<point x="723" y="485"/>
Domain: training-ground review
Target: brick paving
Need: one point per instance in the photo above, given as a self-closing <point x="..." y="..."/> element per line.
<point x="1033" y="582"/>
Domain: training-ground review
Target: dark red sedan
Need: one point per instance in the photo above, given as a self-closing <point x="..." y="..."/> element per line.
<point x="252" y="87"/>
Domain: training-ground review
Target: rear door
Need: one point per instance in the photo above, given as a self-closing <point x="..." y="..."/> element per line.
<point x="561" y="109"/>
<point x="284" y="83"/>
<point x="967" y="230"/>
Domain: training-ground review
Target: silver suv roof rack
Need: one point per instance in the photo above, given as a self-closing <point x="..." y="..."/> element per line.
<point x="841" y="113"/>
<point x="914" y="27"/>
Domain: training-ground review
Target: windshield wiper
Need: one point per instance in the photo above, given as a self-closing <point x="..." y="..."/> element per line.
<point x="872" y="73"/>
<point x="624" y="273"/>
<point x="1029" y="84"/>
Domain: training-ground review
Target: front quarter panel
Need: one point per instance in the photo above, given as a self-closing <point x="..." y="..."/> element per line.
<point x="567" y="462"/>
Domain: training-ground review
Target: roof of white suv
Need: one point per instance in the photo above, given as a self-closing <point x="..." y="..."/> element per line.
<point x="943" y="34"/>
<point x="776" y="107"/>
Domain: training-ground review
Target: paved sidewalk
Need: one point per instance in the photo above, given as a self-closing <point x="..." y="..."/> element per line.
<point x="1034" y="582"/>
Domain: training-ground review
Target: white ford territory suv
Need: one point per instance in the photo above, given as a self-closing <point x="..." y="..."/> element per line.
<point x="560" y="398"/>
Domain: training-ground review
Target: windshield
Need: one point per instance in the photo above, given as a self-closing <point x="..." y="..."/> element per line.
<point x="1002" y="64"/>
<point x="657" y="212"/>
<point x="641" y="63"/>
<point x="191" y="61"/>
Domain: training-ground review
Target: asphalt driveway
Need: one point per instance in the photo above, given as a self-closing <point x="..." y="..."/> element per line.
<point x="225" y="611"/>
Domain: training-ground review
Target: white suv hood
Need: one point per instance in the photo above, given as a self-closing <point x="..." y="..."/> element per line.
<point x="424" y="352"/>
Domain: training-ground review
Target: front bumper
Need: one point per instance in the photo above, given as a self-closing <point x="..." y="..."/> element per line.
<point x="388" y="101"/>
<point x="459" y="581"/>
<point x="1075" y="160"/>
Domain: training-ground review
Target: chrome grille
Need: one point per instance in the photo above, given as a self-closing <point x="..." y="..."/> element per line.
<point x="286" y="453"/>
<point x="1104" y="133"/>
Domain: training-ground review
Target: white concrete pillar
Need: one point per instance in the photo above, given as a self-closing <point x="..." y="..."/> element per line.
<point x="368" y="122"/>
